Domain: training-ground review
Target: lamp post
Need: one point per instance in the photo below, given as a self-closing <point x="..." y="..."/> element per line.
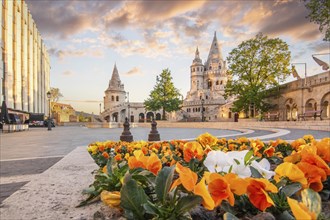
<point x="202" y="101"/>
<point x="128" y="108"/>
<point x="49" y="121"/>
<point x="303" y="83"/>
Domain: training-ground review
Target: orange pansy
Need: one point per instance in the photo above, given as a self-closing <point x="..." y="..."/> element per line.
<point x="154" y="164"/>
<point x="269" y="151"/>
<point x="237" y="185"/>
<point x="323" y="149"/>
<point x="315" y="160"/>
<point x="192" y="150"/>
<point x="220" y="190"/>
<point x="201" y="190"/>
<point x="291" y="171"/>
<point x="105" y="155"/>
<point x="257" y="193"/>
<point x="314" y="175"/>
<point x="187" y="177"/>
<point x="207" y="140"/>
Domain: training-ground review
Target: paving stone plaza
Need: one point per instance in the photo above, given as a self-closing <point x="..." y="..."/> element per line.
<point x="39" y="167"/>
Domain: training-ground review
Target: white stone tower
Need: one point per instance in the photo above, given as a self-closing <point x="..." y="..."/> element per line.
<point x="207" y="85"/>
<point x="115" y="93"/>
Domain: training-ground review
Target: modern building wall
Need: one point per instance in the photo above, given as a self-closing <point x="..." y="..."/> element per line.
<point x="25" y="60"/>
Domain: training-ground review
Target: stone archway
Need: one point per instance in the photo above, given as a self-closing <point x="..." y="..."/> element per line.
<point x="141" y="117"/>
<point x="325" y="105"/>
<point x="150" y="116"/>
<point x="291" y="110"/>
<point x="114" y="117"/>
<point x="310" y="105"/>
<point x="158" y="116"/>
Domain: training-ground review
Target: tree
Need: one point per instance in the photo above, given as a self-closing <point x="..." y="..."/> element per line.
<point x="164" y="95"/>
<point x="256" y="66"/>
<point x="319" y="14"/>
<point x="55" y="94"/>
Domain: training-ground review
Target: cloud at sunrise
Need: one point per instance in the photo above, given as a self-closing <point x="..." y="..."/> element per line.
<point x="144" y="37"/>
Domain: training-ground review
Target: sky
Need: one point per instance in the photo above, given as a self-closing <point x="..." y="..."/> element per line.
<point x="86" y="38"/>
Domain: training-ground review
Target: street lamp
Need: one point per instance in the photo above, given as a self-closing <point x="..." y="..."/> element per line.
<point x="49" y="121"/>
<point x="202" y="101"/>
<point x="128" y="107"/>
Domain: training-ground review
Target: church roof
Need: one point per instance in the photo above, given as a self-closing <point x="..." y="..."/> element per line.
<point x="215" y="53"/>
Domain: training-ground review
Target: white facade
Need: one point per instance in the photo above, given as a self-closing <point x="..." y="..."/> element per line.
<point x="25" y="60"/>
<point x="207" y="86"/>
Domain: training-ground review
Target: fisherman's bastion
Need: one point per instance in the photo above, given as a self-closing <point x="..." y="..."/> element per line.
<point x="205" y="100"/>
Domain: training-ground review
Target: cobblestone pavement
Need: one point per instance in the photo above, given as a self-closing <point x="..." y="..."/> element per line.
<point x="24" y="155"/>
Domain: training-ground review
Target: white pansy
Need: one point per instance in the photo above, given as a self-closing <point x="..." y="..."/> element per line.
<point x="263" y="168"/>
<point x="217" y="161"/>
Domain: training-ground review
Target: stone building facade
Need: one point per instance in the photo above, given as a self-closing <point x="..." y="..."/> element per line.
<point x="25" y="64"/>
<point x="205" y="100"/>
<point x="308" y="94"/>
<point x="207" y="86"/>
<point x="117" y="105"/>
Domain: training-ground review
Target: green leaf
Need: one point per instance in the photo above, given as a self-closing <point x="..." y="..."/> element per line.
<point x="132" y="199"/>
<point x="255" y="173"/>
<point x="312" y="200"/>
<point x="163" y="182"/>
<point x="291" y="189"/>
<point x="248" y="156"/>
<point x="150" y="208"/>
<point x="229" y="216"/>
<point x="185" y="204"/>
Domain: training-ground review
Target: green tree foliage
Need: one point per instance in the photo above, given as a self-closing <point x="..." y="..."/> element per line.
<point x="256" y="66"/>
<point x="319" y="14"/>
<point x="164" y="95"/>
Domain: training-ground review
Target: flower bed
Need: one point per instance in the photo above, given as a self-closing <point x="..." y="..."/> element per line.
<point x="212" y="178"/>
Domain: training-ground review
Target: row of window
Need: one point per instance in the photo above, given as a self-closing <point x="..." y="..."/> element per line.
<point x="113" y="98"/>
<point x="201" y="69"/>
<point x="195" y="109"/>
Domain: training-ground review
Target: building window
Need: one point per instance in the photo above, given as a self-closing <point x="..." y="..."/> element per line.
<point x="217" y="82"/>
<point x="193" y="69"/>
<point x="209" y="84"/>
<point x="112" y="98"/>
<point x="210" y="67"/>
<point x="117" y="98"/>
<point x="206" y="97"/>
<point x="221" y="82"/>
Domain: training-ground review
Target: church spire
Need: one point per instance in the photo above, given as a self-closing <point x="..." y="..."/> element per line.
<point x="215" y="53"/>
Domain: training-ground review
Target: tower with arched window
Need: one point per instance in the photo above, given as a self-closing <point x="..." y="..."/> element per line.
<point x="115" y="93"/>
<point x="207" y="84"/>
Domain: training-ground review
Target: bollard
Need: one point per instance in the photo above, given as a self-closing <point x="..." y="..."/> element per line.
<point x="126" y="135"/>
<point x="154" y="135"/>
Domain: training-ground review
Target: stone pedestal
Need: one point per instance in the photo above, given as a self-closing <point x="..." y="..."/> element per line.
<point x="126" y="135"/>
<point x="154" y="135"/>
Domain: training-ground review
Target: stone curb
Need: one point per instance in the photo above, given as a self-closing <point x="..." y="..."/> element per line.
<point x="56" y="192"/>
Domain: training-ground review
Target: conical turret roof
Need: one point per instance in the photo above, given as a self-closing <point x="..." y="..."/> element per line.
<point x="197" y="59"/>
<point x="115" y="82"/>
<point x="215" y="53"/>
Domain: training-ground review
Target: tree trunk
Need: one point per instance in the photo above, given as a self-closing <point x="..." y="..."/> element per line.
<point x="164" y="115"/>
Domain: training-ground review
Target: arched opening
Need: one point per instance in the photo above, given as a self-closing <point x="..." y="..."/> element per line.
<point x="209" y="84"/>
<point x="291" y="110"/>
<point x="217" y="82"/>
<point x="115" y="117"/>
<point x="311" y="105"/>
<point x="112" y="98"/>
<point x="141" y="117"/>
<point x="159" y="116"/>
<point x="150" y="116"/>
<point x="325" y="105"/>
<point x="132" y="118"/>
<point x="117" y="98"/>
